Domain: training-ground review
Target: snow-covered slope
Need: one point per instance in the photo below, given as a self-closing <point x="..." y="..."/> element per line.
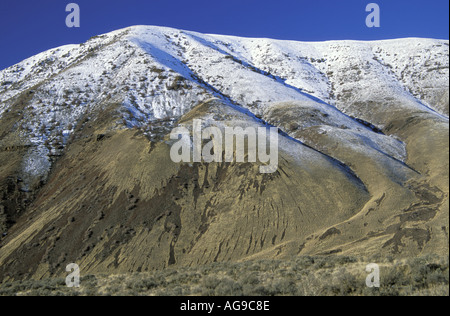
<point x="156" y="73"/>
<point x="86" y="177"/>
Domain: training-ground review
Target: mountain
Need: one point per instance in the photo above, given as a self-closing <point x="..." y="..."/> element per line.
<point x="86" y="174"/>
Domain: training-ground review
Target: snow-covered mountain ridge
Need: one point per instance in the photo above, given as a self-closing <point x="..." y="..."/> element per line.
<point x="263" y="70"/>
<point x="157" y="73"/>
<point x="86" y="174"/>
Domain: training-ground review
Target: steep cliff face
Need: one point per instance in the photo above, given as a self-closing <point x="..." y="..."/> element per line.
<point x="86" y="174"/>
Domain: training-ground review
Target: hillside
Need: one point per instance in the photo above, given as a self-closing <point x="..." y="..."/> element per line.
<point x="86" y="175"/>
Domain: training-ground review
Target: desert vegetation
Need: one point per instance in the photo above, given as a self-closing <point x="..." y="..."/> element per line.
<point x="301" y="276"/>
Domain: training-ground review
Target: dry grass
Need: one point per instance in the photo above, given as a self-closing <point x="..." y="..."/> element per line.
<point x="302" y="276"/>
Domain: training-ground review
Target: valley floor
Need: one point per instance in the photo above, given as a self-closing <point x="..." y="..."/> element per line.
<point x="301" y="276"/>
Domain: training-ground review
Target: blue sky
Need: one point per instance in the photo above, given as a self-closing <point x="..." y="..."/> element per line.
<point x="28" y="27"/>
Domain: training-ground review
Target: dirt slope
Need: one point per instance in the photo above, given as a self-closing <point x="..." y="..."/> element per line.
<point x="116" y="203"/>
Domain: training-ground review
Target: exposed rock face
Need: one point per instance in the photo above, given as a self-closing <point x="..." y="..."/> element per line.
<point x="86" y="175"/>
